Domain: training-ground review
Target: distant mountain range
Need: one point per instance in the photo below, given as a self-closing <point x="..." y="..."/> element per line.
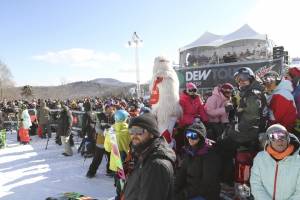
<point x="96" y="87"/>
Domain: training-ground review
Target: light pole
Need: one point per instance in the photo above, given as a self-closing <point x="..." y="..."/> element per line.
<point x="135" y="41"/>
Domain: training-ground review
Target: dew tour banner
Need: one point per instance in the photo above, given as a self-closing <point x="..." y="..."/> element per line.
<point x="211" y="75"/>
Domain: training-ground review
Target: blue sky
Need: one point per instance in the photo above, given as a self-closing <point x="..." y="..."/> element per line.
<point x="50" y="42"/>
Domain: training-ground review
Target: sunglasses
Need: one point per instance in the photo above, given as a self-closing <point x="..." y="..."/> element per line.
<point x="279" y="135"/>
<point x="192" y="90"/>
<point x="136" y="131"/>
<point x="191" y="135"/>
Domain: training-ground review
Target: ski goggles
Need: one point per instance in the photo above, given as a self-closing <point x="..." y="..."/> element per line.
<point x="136" y="131"/>
<point x="191" y="135"/>
<point x="241" y="77"/>
<point x="268" y="79"/>
<point x="279" y="135"/>
<point x="192" y="90"/>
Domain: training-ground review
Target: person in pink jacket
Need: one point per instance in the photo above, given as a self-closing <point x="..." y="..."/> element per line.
<point x="217" y="107"/>
<point x="192" y="108"/>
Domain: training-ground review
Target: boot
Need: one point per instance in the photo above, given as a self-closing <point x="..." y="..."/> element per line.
<point x="90" y="174"/>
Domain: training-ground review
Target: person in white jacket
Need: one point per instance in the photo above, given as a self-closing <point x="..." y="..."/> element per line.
<point x="276" y="170"/>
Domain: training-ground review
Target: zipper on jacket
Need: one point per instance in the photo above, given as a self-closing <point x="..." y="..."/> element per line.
<point x="275" y="181"/>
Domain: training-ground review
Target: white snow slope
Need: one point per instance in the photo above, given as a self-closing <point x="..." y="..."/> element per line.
<point x="29" y="172"/>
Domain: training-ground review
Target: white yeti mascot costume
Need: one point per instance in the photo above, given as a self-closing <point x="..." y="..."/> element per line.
<point x="164" y="98"/>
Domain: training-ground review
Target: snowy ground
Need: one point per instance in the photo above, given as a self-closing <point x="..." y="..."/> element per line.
<point x="31" y="172"/>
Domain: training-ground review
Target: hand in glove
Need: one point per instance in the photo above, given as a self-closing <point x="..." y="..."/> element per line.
<point x="229" y="107"/>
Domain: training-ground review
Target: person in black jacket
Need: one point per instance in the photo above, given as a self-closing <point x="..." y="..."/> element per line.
<point x="198" y="177"/>
<point x="88" y="128"/>
<point x="64" y="129"/>
<point x="152" y="176"/>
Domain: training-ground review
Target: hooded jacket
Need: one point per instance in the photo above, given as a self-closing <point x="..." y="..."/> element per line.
<point x="152" y="176"/>
<point x="198" y="175"/>
<point x="215" y="107"/>
<point x="282" y="105"/>
<point x="192" y="108"/>
<point x="271" y="179"/>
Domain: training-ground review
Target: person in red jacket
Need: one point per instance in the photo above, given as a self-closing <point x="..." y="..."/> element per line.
<point x="192" y="109"/>
<point x="192" y="106"/>
<point x="282" y="108"/>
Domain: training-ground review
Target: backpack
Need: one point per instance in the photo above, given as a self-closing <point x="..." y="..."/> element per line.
<point x="87" y="148"/>
<point x="264" y="112"/>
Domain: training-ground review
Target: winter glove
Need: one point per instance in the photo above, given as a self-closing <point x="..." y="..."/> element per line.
<point x="229" y="107"/>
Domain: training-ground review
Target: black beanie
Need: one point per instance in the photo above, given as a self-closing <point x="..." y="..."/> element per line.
<point x="146" y="121"/>
<point x="199" y="128"/>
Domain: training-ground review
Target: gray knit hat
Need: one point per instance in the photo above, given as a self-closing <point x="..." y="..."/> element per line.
<point x="147" y="121"/>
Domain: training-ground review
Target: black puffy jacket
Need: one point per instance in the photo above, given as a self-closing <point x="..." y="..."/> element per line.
<point x="199" y="175"/>
<point x="152" y="176"/>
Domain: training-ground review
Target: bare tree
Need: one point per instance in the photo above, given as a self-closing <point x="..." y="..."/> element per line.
<point x="5" y="78"/>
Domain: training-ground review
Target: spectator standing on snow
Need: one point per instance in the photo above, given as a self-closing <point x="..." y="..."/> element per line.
<point x="64" y="129"/>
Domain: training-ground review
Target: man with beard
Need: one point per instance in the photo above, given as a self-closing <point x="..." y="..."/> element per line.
<point x="152" y="176"/>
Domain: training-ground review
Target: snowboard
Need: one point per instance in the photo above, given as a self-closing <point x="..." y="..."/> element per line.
<point x="71" y="196"/>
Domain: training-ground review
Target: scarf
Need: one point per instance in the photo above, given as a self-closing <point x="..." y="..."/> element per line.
<point x="280" y="155"/>
<point x="198" y="150"/>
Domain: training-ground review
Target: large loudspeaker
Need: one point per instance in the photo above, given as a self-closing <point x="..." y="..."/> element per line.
<point x="278" y="52"/>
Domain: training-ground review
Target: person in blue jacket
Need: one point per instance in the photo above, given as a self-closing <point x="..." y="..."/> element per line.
<point x="276" y="170"/>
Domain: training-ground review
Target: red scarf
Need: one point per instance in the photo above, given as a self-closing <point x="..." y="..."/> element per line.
<point x="155" y="91"/>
